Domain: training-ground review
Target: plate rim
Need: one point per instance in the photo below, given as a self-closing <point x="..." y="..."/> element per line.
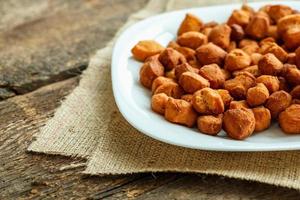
<point x="258" y="147"/>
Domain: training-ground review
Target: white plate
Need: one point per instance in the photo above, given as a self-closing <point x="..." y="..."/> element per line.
<point x="133" y="100"/>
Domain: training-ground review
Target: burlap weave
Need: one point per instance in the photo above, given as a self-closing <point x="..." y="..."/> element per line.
<point x="88" y="124"/>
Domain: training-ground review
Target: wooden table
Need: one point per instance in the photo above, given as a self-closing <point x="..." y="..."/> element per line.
<point x="44" y="47"/>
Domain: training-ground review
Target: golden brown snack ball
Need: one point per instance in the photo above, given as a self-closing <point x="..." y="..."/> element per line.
<point x="210" y="53"/>
<point x="208" y="101"/>
<point x="158" y="103"/>
<point x="255" y="57"/>
<point x="220" y="35"/>
<point x="289" y="119"/>
<point x="278" y="102"/>
<point x="213" y="74"/>
<point x="257" y="95"/>
<point x="296" y="92"/>
<point x="258" y="27"/>
<point x="283" y="85"/>
<point x="239" y="85"/>
<point x="262" y="118"/>
<point x="226" y="97"/>
<point x="146" y="48"/>
<point x="170" y="89"/>
<point x="170" y="58"/>
<point x="160" y="81"/>
<point x="239" y="123"/>
<point x="226" y="73"/>
<point x="288" y="29"/>
<point x="191" y="82"/>
<point x="275" y="49"/>
<point x="237" y="59"/>
<point x="292" y="75"/>
<point x="181" y="112"/>
<point x="239" y="17"/>
<point x="249" y="46"/>
<point x="292" y="59"/>
<point x="192" y="39"/>
<point x="150" y="70"/>
<point x="251" y="69"/>
<point x="271" y="82"/>
<point x="270" y="65"/>
<point x="276" y="12"/>
<point x="187" y="97"/>
<point x="238" y="104"/>
<point x="210" y="124"/>
<point x="237" y="32"/>
<point x="185" y="67"/>
<point x="190" y="23"/>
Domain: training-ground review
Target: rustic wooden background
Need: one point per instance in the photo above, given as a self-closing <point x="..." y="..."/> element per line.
<point x="44" y="47"/>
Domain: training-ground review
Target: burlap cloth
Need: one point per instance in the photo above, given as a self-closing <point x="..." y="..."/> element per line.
<point x="88" y="124"/>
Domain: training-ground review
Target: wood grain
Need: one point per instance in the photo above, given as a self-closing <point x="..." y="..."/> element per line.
<point x="47" y="41"/>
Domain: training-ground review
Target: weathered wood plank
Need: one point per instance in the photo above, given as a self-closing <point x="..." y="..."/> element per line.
<point x="47" y="41"/>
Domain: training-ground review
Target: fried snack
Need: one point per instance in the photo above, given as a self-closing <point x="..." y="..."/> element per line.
<point x="272" y="32"/>
<point x="210" y="24"/>
<point x="187" y="97"/>
<point x="239" y="123"/>
<point x="170" y="89"/>
<point x="192" y="39"/>
<point x="206" y="31"/>
<point x="160" y="81"/>
<point x="257" y="95"/>
<point x="258" y="27"/>
<point x="262" y="118"/>
<point x="210" y="53"/>
<point x="185" y="67"/>
<point x="220" y="35"/>
<point x="276" y="12"/>
<point x="213" y="74"/>
<point x="237" y="59"/>
<point x="255" y="58"/>
<point x="239" y="85"/>
<point x="296" y="92"/>
<point x="269" y="65"/>
<point x="191" y="82"/>
<point x="158" y="103"/>
<point x="251" y="69"/>
<point x="292" y="58"/>
<point x="297" y="57"/>
<point x="239" y="17"/>
<point x="146" y="48"/>
<point x="237" y="32"/>
<point x="170" y="58"/>
<point x="190" y="23"/>
<point x="296" y="101"/>
<point x="249" y="46"/>
<point x="288" y="28"/>
<point x="210" y="124"/>
<point x="292" y="75"/>
<point x="226" y="73"/>
<point x="208" y="101"/>
<point x="226" y="97"/>
<point x="181" y="112"/>
<point x="171" y="74"/>
<point x="271" y="82"/>
<point x="283" y="85"/>
<point x="238" y="104"/>
<point x="231" y="46"/>
<point x="289" y="120"/>
<point x="150" y="70"/>
<point x="272" y="47"/>
<point x="188" y="53"/>
<point x="278" y="102"/>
